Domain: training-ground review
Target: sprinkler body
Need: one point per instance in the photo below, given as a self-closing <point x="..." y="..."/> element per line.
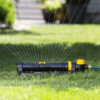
<point x="41" y="67"/>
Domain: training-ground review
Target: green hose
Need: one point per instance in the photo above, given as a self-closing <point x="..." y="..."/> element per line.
<point x="95" y="67"/>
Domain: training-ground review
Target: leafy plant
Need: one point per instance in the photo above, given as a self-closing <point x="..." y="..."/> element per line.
<point x="7" y="14"/>
<point x="52" y="5"/>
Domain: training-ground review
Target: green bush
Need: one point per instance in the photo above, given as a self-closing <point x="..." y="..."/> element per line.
<point x="7" y="12"/>
<point x="52" y="5"/>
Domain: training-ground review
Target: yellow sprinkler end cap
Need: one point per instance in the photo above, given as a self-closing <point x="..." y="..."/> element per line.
<point x="80" y="62"/>
<point x="42" y="63"/>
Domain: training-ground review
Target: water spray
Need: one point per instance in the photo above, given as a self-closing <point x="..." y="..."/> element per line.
<point x="41" y="67"/>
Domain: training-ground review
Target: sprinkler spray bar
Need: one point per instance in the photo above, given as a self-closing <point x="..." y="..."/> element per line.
<point x="41" y="67"/>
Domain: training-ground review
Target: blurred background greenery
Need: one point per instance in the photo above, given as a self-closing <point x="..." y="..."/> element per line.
<point x="64" y="11"/>
<point x="7" y="11"/>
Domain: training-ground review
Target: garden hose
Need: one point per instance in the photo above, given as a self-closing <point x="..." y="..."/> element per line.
<point x="94" y="67"/>
<point x="42" y="67"/>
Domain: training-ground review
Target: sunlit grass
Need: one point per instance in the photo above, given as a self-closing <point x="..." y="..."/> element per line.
<point x="41" y="93"/>
<point x="54" y="33"/>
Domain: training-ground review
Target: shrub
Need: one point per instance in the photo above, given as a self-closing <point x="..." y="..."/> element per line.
<point x="7" y="12"/>
<point x="52" y="5"/>
<point x="53" y="10"/>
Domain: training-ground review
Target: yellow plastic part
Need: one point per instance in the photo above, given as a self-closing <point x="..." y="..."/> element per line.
<point x="80" y="62"/>
<point x="42" y="63"/>
<point x="69" y="65"/>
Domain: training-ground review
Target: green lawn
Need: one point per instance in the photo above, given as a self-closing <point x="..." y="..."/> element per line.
<point x="50" y="43"/>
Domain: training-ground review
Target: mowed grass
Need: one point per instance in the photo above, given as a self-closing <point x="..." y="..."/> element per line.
<point x="50" y="43"/>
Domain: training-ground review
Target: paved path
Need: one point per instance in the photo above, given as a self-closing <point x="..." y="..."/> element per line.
<point x="28" y="14"/>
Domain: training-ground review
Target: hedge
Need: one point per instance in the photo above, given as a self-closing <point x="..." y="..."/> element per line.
<point x="7" y="12"/>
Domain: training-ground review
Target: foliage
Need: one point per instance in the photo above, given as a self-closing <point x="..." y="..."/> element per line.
<point x="52" y="5"/>
<point x="7" y="10"/>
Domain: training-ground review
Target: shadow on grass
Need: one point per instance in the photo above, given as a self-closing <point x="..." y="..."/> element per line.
<point x="14" y="32"/>
<point x="12" y="54"/>
<point x="53" y="52"/>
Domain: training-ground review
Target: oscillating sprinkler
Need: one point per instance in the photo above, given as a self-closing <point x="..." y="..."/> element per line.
<point x="41" y="67"/>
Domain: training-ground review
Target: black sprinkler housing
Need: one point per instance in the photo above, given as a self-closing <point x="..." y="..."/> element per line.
<point x="28" y="68"/>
